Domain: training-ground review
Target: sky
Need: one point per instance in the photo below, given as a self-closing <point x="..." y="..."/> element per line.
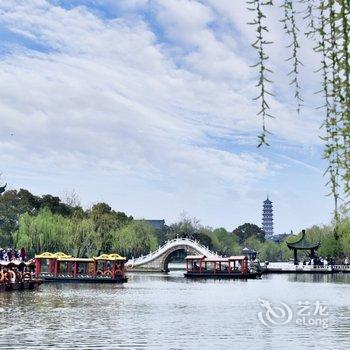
<point x="148" y="106"/>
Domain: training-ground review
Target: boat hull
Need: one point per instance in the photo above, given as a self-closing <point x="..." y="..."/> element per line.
<point x="250" y="275"/>
<point x="51" y="279"/>
<point x="18" y="286"/>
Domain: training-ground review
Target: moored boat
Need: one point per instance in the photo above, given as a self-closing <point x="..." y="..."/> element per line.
<point x="17" y="275"/>
<point x="59" y="267"/>
<point x="234" y="267"/>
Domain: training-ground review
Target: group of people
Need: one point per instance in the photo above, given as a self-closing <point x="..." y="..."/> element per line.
<point x="319" y="261"/>
<point x="9" y="254"/>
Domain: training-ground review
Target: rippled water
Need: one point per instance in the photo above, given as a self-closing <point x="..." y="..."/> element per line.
<point x="157" y="311"/>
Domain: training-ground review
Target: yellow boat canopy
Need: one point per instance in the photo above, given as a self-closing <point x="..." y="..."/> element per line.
<point x="110" y="257"/>
<point x="48" y="255"/>
<point x="64" y="257"/>
<point x="73" y="259"/>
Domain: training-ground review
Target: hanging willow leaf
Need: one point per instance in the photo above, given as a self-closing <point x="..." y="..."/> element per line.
<point x="290" y="27"/>
<point x="327" y="24"/>
<point x="263" y="81"/>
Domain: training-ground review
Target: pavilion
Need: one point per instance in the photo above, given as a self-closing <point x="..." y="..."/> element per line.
<point x="302" y="244"/>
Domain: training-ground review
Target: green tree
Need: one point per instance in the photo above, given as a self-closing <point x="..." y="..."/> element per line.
<point x="106" y="223"/>
<point x="44" y="232"/>
<point x="243" y="232"/>
<point x="190" y="228"/>
<point x="185" y="227"/>
<point x="84" y="240"/>
<point x="55" y="205"/>
<point x="8" y="216"/>
<point x="135" y="239"/>
<point x="225" y="242"/>
<point x="14" y="203"/>
<point x="344" y="234"/>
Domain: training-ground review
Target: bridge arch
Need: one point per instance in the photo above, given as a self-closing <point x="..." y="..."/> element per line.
<point x="166" y="258"/>
<point x="159" y="260"/>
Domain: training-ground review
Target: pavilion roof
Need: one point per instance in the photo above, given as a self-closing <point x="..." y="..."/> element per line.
<point x="248" y="250"/>
<point x="303" y="244"/>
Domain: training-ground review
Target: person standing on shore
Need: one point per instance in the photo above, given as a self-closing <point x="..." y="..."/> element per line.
<point x="22" y="254"/>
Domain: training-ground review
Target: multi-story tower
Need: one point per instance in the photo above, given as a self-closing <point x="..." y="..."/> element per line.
<point x="267" y="218"/>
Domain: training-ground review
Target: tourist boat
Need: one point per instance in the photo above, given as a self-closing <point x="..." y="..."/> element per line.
<point x="200" y="266"/>
<point x="17" y="275"/>
<point x="59" y="267"/>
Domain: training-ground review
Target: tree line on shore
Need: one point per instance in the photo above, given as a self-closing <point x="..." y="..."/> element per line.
<point x="46" y="223"/>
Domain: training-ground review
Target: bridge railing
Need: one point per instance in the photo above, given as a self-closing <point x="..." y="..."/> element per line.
<point x="341" y="267"/>
<point x="169" y="244"/>
<point x="292" y="267"/>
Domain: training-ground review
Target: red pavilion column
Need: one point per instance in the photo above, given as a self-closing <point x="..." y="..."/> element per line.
<point x="50" y="266"/>
<point x="122" y="266"/>
<point x="113" y="269"/>
<point x="95" y="268"/>
<point x="75" y="268"/>
<point x="37" y="267"/>
<point x="57" y="267"/>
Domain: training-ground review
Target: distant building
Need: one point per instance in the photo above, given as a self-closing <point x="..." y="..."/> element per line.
<point x="160" y="229"/>
<point x="280" y="238"/>
<point x="267" y="218"/>
<point x="158" y="225"/>
<point x="249" y="253"/>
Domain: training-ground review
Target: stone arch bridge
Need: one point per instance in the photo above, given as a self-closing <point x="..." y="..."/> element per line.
<point x="159" y="259"/>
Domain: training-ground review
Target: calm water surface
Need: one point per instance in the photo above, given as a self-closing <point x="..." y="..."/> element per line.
<point x="156" y="311"/>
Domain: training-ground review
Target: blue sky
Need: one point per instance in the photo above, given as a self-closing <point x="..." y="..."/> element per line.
<point x="147" y="105"/>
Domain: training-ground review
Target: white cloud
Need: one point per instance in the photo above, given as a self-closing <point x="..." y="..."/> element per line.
<point x="107" y="97"/>
<point x="97" y="99"/>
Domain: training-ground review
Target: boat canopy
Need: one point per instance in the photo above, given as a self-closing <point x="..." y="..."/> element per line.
<point x="15" y="263"/>
<point x="73" y="259"/>
<point x="237" y="257"/>
<point x="64" y="257"/>
<point x="48" y="255"/>
<point x="216" y="259"/>
<point x="195" y="257"/>
<point x="110" y="257"/>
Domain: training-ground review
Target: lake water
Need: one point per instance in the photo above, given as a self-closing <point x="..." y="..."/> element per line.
<point x="158" y="311"/>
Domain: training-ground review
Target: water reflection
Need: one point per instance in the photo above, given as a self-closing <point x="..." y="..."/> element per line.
<point x="166" y="311"/>
<point x="320" y="278"/>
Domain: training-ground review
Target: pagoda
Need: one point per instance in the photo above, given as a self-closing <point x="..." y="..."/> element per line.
<point x="267" y="218"/>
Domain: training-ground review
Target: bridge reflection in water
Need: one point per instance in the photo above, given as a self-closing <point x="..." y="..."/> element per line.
<point x="158" y="260"/>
